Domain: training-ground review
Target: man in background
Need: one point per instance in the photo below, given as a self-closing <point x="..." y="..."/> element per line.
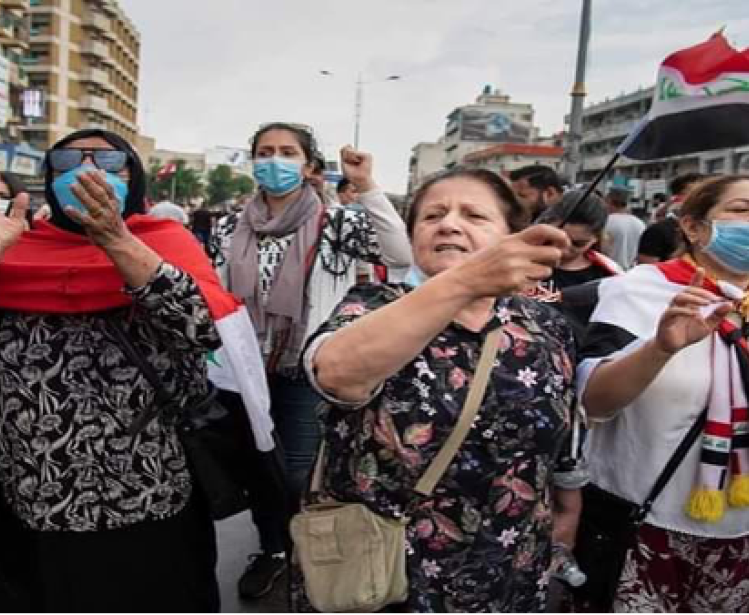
<point x="537" y="187"/>
<point x="623" y="229"/>
<point x="347" y="193"/>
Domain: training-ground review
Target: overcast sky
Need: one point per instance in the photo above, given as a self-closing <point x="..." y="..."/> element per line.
<point x="211" y="72"/>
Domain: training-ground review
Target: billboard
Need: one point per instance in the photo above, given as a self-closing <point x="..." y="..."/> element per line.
<point x="230" y="156"/>
<point x="4" y="91"/>
<point x="492" y="126"/>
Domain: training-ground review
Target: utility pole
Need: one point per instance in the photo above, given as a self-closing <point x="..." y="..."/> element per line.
<point x="572" y="157"/>
<point x="358" y="109"/>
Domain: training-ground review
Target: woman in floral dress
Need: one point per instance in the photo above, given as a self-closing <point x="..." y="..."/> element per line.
<point x="396" y="365"/>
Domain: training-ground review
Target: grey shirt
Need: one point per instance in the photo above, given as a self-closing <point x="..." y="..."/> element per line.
<point x="623" y="232"/>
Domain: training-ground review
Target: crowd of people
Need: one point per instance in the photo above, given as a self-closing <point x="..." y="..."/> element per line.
<point x="617" y="339"/>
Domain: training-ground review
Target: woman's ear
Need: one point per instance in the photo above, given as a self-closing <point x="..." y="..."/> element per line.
<point x="308" y="170"/>
<point x="693" y="229"/>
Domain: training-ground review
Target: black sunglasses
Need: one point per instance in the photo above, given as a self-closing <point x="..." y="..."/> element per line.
<point x="64" y="159"/>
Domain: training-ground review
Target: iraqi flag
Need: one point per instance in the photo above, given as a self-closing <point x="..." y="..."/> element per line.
<point x="53" y="271"/>
<point x="700" y="103"/>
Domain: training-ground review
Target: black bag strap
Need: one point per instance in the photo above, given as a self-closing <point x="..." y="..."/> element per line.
<point x="673" y="464"/>
<point x="164" y="397"/>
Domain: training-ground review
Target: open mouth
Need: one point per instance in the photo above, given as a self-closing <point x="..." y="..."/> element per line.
<point x="450" y="247"/>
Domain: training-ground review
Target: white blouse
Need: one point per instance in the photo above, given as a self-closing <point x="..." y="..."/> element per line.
<point x="628" y="452"/>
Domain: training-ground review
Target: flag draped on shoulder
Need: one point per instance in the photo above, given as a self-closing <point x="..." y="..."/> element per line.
<point x="51" y="270"/>
<point x="700" y="102"/>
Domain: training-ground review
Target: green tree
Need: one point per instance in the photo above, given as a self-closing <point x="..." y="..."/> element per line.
<point x="188" y="183"/>
<point x="220" y="186"/>
<point x="243" y="185"/>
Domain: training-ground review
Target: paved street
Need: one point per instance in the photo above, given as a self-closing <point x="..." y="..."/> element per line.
<point x="236" y="539"/>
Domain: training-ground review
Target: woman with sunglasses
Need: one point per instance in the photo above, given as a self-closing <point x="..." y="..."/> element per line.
<point x="105" y="520"/>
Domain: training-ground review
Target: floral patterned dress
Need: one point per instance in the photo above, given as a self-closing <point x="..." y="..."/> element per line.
<point x="481" y="542"/>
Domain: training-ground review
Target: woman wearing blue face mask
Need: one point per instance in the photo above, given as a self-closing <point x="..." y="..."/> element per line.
<point x="99" y="516"/>
<point x="667" y="352"/>
<point x="292" y="260"/>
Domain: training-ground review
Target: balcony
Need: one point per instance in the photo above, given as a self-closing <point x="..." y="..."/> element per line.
<point x="101" y="124"/>
<point x="96" y="21"/>
<point x="109" y="7"/>
<point x="14" y="34"/>
<point x="95" y="75"/>
<point x="95" y="48"/>
<point x="17" y="76"/>
<point x="608" y="132"/>
<point x="91" y="102"/>
<point x="19" y="5"/>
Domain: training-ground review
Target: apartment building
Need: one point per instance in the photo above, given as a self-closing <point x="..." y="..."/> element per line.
<point x="83" y="57"/>
<point x="14" y="42"/>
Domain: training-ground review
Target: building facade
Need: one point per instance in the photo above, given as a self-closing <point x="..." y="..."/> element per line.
<point x="506" y="157"/>
<point x="606" y="124"/>
<point x="426" y="159"/>
<point x="83" y="58"/>
<point x="492" y="119"/>
<point x="14" y="41"/>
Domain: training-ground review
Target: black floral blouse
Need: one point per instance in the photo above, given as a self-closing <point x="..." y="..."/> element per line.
<point x="68" y="395"/>
<point x="482" y="541"/>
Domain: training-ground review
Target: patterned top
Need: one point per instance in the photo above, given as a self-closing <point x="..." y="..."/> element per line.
<point x="349" y="235"/>
<point x="271" y="252"/>
<point x="68" y="395"/>
<point x="482" y="541"/>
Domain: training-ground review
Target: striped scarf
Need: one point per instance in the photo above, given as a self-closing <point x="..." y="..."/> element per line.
<point x="724" y="459"/>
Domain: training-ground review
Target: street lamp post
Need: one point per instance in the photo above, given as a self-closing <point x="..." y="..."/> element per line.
<point x="359" y="99"/>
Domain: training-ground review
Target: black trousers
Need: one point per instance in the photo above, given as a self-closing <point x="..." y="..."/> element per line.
<point x="157" y="566"/>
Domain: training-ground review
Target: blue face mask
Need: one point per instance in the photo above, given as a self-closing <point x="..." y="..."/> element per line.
<point x="729" y="244"/>
<point x="415" y="277"/>
<point x="278" y="176"/>
<point x="62" y="184"/>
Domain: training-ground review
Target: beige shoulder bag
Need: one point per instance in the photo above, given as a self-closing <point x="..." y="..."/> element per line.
<point x="354" y="560"/>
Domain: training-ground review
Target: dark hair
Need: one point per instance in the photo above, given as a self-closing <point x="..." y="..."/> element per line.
<point x="318" y="163"/>
<point x="618" y="197"/>
<point x="14" y="183"/>
<point x="681" y="183"/>
<point x="136" y="196"/>
<point x="342" y="185"/>
<point x="591" y="212"/>
<point x="304" y="138"/>
<point x="514" y="212"/>
<point x="538" y="176"/>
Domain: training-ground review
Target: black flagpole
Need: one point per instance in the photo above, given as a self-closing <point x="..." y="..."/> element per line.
<point x="623" y="147"/>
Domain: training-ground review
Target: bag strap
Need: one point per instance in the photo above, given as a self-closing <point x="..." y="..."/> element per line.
<point x="733" y="338"/>
<point x="475" y="396"/>
<point x="444" y="457"/>
<point x="673" y="464"/>
<point x="163" y="397"/>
